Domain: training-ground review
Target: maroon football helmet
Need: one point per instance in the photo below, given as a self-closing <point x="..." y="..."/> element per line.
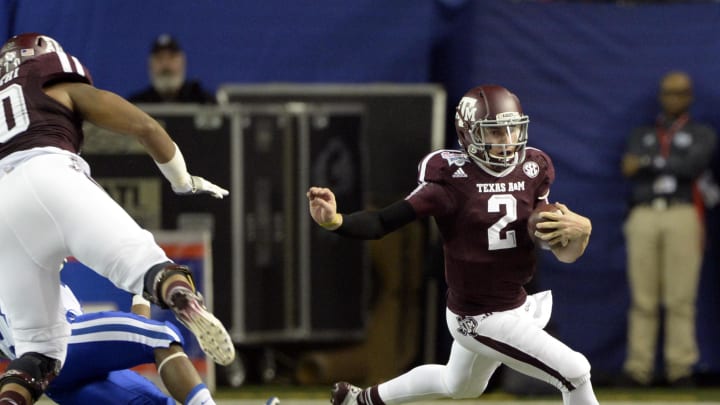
<point x="492" y="128"/>
<point x="24" y="47"/>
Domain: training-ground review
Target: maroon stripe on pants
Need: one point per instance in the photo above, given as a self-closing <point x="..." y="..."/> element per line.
<point x="523" y="357"/>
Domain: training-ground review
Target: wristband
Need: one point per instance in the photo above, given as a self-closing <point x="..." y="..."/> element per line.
<point x="175" y="170"/>
<point x="168" y="358"/>
<point x="337" y="220"/>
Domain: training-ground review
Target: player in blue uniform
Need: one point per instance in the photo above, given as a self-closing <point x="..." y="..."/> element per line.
<point x="481" y="199"/>
<point x="101" y="348"/>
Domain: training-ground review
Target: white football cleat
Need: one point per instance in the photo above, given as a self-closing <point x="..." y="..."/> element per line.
<point x="212" y="336"/>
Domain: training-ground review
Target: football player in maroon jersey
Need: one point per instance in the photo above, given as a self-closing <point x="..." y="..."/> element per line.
<point x="51" y="209"/>
<point x="481" y="199"/>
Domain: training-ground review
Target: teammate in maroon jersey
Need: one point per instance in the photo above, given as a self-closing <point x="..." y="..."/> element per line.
<point x="481" y="199"/>
<point x="51" y="209"/>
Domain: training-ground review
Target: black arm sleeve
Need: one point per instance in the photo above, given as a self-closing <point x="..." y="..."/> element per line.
<point x="376" y="224"/>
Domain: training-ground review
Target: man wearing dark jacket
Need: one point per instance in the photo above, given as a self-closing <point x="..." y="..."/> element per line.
<point x="664" y="234"/>
<point x="166" y="67"/>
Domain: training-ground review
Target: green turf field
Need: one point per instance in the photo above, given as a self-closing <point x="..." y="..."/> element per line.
<point x="295" y="395"/>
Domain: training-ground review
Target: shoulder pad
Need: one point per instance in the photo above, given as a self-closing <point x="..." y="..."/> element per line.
<point x="544" y="164"/>
<point x="435" y="165"/>
<point x="59" y="66"/>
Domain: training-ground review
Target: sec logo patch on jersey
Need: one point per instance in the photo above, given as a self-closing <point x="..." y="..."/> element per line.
<point x="531" y="169"/>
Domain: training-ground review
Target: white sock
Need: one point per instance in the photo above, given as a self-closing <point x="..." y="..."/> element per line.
<point x="421" y="383"/>
<point x="200" y="395"/>
<point x="582" y="395"/>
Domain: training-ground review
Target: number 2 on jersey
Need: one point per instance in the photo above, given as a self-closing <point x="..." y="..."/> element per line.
<point x="14" y="117"/>
<point x="495" y="203"/>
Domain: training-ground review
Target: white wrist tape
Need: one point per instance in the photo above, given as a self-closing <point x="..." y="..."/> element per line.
<point x="139" y="300"/>
<point x="175" y="170"/>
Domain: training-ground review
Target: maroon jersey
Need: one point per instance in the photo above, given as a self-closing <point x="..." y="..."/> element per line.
<point x="29" y="118"/>
<point x="482" y="218"/>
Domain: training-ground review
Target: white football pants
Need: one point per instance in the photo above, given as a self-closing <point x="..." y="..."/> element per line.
<point x="50" y="209"/>
<point x="515" y="338"/>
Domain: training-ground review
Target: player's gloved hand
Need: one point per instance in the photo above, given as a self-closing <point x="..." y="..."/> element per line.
<point x="175" y="170"/>
<point x="198" y="185"/>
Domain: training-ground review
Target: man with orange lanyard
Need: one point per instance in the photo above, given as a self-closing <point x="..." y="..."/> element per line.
<point x="664" y="234"/>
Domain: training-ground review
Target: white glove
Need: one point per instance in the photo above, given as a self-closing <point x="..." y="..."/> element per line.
<point x="183" y="183"/>
<point x="198" y="185"/>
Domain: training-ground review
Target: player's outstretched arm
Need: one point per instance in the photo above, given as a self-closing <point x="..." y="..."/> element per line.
<point x="110" y="111"/>
<point x="570" y="236"/>
<point x="362" y="224"/>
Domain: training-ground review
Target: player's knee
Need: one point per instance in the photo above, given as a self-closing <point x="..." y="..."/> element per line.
<point x="577" y="371"/>
<point x="33" y="371"/>
<point x="469" y="392"/>
<point x="464" y="389"/>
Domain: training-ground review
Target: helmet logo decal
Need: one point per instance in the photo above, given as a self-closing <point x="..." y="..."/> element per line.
<point x="467" y="108"/>
<point x="459" y="121"/>
<point x="531" y="169"/>
<point x="24" y="47"/>
<point x="10" y="62"/>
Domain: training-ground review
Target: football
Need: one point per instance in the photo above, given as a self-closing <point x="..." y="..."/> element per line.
<point x="535" y="218"/>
